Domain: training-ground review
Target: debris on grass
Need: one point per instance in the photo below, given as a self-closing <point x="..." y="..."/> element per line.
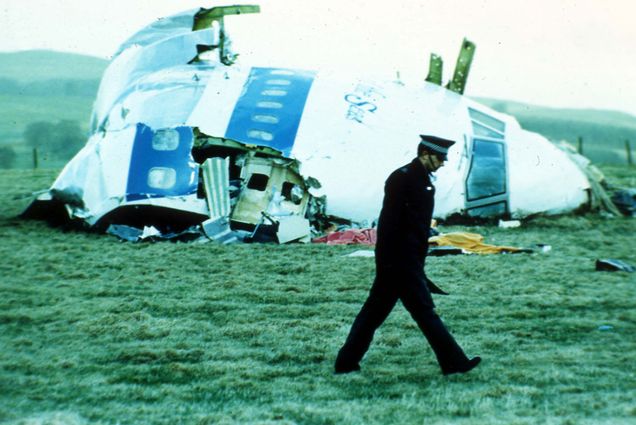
<point x="613" y="265"/>
<point x="361" y="253"/>
<point x="472" y="242"/>
<point x="510" y="224"/>
<point x="349" y="237"/>
<point x="543" y="247"/>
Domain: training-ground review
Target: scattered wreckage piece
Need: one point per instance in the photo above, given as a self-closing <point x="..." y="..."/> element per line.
<point x="440" y="244"/>
<point x="471" y="243"/>
<point x="349" y="237"/>
<point x="365" y="253"/>
<point x="256" y="187"/>
<point x="625" y="201"/>
<point x="613" y="265"/>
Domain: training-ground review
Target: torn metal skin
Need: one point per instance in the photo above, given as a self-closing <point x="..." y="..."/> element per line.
<point x="262" y="183"/>
<point x="258" y="186"/>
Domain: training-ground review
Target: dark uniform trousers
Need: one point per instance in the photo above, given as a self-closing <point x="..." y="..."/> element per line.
<point x="409" y="287"/>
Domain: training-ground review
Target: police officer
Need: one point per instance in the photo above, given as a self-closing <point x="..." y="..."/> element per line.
<point x="400" y="251"/>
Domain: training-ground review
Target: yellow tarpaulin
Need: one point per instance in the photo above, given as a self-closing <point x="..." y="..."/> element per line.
<point x="471" y="242"/>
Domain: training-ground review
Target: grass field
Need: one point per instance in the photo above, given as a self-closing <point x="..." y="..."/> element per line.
<point x="93" y="330"/>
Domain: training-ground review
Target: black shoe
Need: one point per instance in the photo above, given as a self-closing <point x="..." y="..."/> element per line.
<point x="346" y="369"/>
<point x="467" y="367"/>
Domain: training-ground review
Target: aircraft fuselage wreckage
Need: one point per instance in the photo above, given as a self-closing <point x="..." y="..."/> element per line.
<point x="180" y="135"/>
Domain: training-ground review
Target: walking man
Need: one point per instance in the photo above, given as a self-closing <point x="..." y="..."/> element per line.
<point x="400" y="252"/>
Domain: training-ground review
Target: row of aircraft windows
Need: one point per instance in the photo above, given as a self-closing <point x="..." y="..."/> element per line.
<point x="277" y="90"/>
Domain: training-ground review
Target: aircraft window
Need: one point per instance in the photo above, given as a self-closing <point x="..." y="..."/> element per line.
<point x="488" y="210"/>
<point x="261" y="135"/>
<point x="165" y="140"/>
<point x="269" y="105"/>
<point x="483" y="131"/>
<point x="162" y="177"/>
<point x="487" y="175"/>
<point x="274" y="92"/>
<point x="292" y="192"/>
<point x="268" y="119"/>
<point x="487" y="120"/>
<point x="280" y="82"/>
<point x="258" y="182"/>
<point x="281" y="72"/>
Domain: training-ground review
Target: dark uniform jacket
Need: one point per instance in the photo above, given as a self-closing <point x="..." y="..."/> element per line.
<point x="405" y="219"/>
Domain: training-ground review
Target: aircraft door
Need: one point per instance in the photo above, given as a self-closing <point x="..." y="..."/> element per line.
<point x="487" y="188"/>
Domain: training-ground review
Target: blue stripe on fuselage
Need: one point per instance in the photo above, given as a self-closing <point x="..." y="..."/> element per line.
<point x="269" y="110"/>
<point x="145" y="157"/>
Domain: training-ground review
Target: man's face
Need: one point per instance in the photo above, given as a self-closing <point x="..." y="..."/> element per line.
<point x="431" y="161"/>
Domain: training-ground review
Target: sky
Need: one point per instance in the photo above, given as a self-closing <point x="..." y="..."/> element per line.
<point x="558" y="53"/>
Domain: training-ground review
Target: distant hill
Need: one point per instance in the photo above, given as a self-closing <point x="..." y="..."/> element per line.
<point x="596" y="116"/>
<point x="37" y="65"/>
<point x="603" y="132"/>
<point x="58" y="89"/>
<point x="47" y="73"/>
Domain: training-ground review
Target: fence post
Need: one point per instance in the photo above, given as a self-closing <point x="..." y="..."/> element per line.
<point x="628" y="150"/>
<point x="580" y="145"/>
<point x="35" y="158"/>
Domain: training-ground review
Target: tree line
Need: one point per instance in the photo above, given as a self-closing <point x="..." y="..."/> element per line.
<point x="60" y="140"/>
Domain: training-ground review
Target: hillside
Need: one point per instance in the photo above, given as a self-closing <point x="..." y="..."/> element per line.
<point x="603" y="132"/>
<point x="38" y="65"/>
<point x="45" y="87"/>
<point x="596" y="116"/>
<point x="58" y="89"/>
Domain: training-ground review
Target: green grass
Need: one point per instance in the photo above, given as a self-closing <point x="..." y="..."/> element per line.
<point x="93" y="330"/>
